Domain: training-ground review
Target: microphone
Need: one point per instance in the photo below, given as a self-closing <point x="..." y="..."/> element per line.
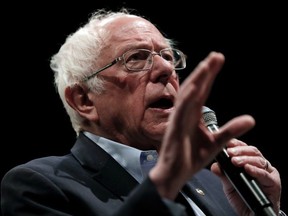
<point x="244" y="184"/>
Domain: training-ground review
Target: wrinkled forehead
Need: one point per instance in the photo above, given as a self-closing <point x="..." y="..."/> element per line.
<point x="133" y="28"/>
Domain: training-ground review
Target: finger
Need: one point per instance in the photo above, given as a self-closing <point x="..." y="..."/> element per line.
<point x="244" y="150"/>
<point x="256" y="161"/>
<point x="235" y="142"/>
<point x="267" y="166"/>
<point x="234" y="128"/>
<point x="202" y="77"/>
<point x="196" y="88"/>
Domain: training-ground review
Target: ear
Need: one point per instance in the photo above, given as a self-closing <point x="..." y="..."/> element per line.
<point x="77" y="96"/>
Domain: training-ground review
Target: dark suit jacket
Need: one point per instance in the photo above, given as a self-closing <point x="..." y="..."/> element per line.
<point x="89" y="182"/>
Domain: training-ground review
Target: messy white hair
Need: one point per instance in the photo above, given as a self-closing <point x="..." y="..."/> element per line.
<point x="78" y="56"/>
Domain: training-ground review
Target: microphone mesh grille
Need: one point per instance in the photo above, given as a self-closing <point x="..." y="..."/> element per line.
<point x="209" y="117"/>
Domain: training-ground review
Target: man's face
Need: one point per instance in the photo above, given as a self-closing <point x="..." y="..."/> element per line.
<point x="135" y="106"/>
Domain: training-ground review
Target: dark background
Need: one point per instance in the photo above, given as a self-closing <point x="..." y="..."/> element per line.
<point x="252" y="37"/>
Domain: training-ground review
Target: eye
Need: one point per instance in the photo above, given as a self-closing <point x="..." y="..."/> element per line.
<point x="137" y="55"/>
<point x="168" y="56"/>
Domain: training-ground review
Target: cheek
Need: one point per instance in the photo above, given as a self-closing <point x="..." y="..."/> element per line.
<point x="125" y="95"/>
<point x="127" y="104"/>
<point x="135" y="106"/>
<point x="129" y="114"/>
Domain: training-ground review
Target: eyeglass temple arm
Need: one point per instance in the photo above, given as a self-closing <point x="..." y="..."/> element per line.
<point x="104" y="68"/>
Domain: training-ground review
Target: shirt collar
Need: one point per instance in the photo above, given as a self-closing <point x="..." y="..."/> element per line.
<point x="136" y="162"/>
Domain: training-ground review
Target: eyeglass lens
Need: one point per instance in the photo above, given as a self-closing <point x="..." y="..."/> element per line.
<point x="143" y="59"/>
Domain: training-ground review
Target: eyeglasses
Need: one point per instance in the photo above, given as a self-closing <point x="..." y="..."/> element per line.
<point x="142" y="60"/>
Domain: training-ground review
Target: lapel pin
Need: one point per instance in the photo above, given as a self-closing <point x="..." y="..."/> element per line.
<point x="199" y="191"/>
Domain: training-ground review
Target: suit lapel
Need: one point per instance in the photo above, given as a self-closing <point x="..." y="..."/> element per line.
<point x="103" y="166"/>
<point x="205" y="190"/>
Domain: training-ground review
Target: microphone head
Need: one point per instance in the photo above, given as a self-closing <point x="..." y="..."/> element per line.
<point x="209" y="116"/>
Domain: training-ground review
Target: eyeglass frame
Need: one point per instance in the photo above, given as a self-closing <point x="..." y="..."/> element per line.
<point x="122" y="57"/>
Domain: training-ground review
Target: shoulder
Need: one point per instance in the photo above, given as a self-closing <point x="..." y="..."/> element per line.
<point x="45" y="166"/>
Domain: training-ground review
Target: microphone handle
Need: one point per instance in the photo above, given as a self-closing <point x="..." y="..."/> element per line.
<point x="244" y="184"/>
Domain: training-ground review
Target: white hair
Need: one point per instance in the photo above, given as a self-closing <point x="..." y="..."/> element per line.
<point x="78" y="56"/>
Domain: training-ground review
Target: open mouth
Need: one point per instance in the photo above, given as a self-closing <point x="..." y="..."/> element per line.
<point x="163" y="103"/>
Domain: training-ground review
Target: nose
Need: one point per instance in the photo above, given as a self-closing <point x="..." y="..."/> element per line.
<point x="161" y="70"/>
